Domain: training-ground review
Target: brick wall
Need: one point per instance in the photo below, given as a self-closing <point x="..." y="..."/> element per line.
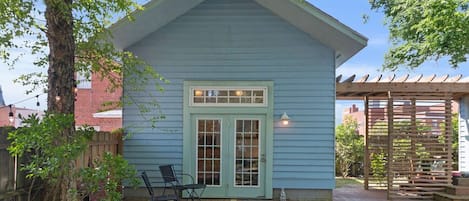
<point x="90" y="101"/>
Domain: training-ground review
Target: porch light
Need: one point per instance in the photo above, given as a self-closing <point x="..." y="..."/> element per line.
<point x="285" y="119"/>
<point x="11" y="118"/>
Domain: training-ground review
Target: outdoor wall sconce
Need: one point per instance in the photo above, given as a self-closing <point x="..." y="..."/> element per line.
<point x="11" y="118"/>
<point x="285" y="119"/>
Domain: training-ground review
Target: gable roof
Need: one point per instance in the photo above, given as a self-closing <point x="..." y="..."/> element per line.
<point x="345" y="41"/>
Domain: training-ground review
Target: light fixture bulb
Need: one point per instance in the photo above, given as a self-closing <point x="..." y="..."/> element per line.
<point x="239" y="92"/>
<point x="198" y="93"/>
<point x="11" y="118"/>
<point x="285" y="119"/>
<point x="37" y="101"/>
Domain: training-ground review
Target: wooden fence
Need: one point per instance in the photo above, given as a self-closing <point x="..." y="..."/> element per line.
<point x="12" y="181"/>
<point x="102" y="142"/>
<point x="14" y="185"/>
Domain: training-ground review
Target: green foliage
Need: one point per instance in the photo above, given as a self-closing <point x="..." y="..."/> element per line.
<point x="455" y="144"/>
<point x="378" y="166"/>
<point x="75" y="36"/>
<point x="351" y="181"/>
<point x="23" y="27"/>
<point x="349" y="146"/>
<point x="107" y="174"/>
<point x="50" y="154"/>
<point x="405" y="148"/>
<point x="455" y="138"/>
<point x="423" y="30"/>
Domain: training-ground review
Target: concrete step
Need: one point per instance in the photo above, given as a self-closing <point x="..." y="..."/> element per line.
<point x="448" y="197"/>
<point x="457" y="190"/>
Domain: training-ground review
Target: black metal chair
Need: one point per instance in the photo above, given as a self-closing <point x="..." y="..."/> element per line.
<point x="163" y="197"/>
<point x="170" y="178"/>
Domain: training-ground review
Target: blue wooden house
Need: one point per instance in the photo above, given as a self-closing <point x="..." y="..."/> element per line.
<point x="235" y="67"/>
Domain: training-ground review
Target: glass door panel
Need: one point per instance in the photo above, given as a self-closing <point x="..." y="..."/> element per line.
<point x="228" y="155"/>
<point x="208" y="151"/>
<point x="247" y="153"/>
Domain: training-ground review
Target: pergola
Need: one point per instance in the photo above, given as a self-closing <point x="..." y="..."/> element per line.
<point x="408" y="124"/>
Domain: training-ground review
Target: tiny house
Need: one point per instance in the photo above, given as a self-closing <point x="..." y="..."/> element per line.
<point x="236" y="67"/>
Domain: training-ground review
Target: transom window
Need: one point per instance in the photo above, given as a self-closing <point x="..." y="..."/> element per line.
<point x="228" y="96"/>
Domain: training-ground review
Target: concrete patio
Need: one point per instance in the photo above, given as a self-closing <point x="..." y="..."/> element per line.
<point x="357" y="193"/>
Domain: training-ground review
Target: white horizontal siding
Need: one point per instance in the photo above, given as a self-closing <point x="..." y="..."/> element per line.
<point x="240" y="40"/>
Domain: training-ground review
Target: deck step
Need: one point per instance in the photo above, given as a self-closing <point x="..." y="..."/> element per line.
<point x="448" y="197"/>
<point x="458" y="190"/>
<point x="461" y="181"/>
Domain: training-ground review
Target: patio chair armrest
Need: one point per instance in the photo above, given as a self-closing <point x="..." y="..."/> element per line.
<point x="192" y="177"/>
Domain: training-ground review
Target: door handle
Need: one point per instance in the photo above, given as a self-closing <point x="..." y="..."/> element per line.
<point x="263" y="158"/>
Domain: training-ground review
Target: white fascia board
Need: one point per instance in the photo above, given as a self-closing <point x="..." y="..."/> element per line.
<point x="110" y="114"/>
<point x="155" y="15"/>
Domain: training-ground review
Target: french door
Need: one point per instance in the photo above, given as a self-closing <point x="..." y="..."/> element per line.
<point x="229" y="154"/>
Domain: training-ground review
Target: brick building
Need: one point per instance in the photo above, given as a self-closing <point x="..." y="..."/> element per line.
<point x="356" y="114"/>
<point x="91" y="106"/>
<point x="17" y="112"/>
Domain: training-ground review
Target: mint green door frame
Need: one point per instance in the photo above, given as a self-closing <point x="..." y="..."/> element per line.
<point x="266" y="111"/>
<point x="226" y="141"/>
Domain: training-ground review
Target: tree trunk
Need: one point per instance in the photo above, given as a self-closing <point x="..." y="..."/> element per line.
<point x="61" y="70"/>
<point x="61" y="56"/>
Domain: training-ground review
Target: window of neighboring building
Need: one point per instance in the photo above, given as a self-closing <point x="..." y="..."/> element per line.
<point x="83" y="80"/>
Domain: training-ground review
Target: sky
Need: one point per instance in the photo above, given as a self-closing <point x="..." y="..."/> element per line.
<point x="367" y="61"/>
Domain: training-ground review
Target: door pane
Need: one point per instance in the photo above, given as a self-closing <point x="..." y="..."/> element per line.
<point x="247" y="153"/>
<point x="208" y="148"/>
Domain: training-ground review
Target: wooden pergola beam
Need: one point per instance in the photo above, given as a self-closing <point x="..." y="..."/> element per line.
<point x="379" y="86"/>
<point x="352" y="90"/>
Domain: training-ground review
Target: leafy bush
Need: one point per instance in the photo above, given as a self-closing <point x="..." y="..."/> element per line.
<point x="51" y="155"/>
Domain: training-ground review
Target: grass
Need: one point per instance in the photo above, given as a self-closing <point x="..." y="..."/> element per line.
<point x="348" y="181"/>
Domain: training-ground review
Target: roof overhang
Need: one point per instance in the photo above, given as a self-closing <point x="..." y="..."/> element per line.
<point x="345" y="41"/>
<point x="157" y="12"/>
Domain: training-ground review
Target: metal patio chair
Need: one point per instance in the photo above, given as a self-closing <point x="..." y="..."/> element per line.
<point x="153" y="197"/>
<point x="170" y="178"/>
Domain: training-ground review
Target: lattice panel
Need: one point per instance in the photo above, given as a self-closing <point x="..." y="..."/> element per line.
<point x="412" y="139"/>
<point x="376" y="144"/>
